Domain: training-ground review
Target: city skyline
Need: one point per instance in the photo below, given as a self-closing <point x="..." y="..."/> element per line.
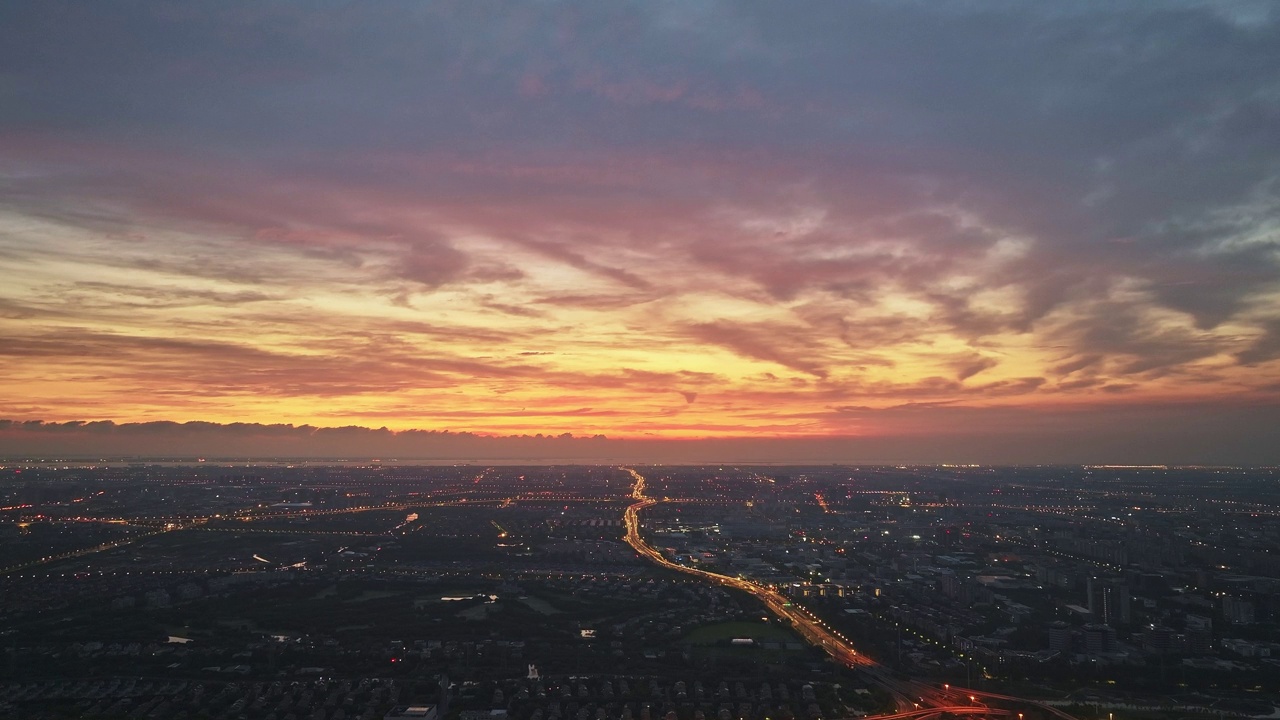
<point x="900" y="232"/>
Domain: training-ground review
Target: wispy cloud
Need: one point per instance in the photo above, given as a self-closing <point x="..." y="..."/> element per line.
<point x="699" y="218"/>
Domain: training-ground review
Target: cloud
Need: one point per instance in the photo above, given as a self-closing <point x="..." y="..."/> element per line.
<point x="574" y="259"/>
<point x="431" y="263"/>
<point x="781" y="211"/>
<point x="770" y="343"/>
<point x="972" y="365"/>
<point x="1265" y="348"/>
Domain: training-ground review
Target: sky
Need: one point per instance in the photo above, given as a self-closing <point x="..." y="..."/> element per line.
<point x="900" y="231"/>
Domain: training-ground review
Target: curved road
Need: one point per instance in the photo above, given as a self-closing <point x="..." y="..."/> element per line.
<point x="909" y="696"/>
<point x="914" y="699"/>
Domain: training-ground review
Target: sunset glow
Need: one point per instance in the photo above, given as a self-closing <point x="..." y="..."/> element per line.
<point x="670" y="221"/>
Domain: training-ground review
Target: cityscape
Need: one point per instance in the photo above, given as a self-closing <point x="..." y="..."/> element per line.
<point x="640" y="360"/>
<point x="379" y="590"/>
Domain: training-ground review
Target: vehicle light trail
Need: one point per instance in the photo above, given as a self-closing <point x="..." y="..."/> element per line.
<point x="914" y="699"/>
<point x="809" y="627"/>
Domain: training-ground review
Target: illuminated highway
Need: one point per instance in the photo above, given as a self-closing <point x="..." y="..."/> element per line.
<point x="910" y="697"/>
<point x="169" y="523"/>
<point x="813" y="629"/>
<point x="915" y="700"/>
<point x="78" y="553"/>
<point x="921" y="713"/>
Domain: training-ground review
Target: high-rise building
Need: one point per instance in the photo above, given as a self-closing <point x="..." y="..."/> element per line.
<point x="1059" y="637"/>
<point x="1099" y="638"/>
<point x="1159" y="639"/>
<point x="1199" y="641"/>
<point x="1237" y="611"/>
<point x="1109" y="601"/>
<point x="948" y="583"/>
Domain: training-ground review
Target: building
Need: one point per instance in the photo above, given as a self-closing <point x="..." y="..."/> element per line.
<point x="1246" y="648"/>
<point x="1159" y="639"/>
<point x="1237" y="611"/>
<point x="948" y="584"/>
<point x="412" y="712"/>
<point x="1199" y="622"/>
<point x="1099" y="638"/>
<point x="1109" y="601"/>
<point x="1198" y="641"/>
<point x="1059" y="637"/>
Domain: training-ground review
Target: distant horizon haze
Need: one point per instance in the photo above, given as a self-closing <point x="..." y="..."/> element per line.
<point x="1226" y="437"/>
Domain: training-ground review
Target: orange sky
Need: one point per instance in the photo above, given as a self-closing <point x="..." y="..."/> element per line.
<point x="651" y="223"/>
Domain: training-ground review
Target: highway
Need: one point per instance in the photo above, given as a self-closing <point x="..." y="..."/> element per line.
<point x="78" y="553"/>
<point x="915" y="700"/>
<point x="1041" y="706"/>
<point x="910" y="697"/>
